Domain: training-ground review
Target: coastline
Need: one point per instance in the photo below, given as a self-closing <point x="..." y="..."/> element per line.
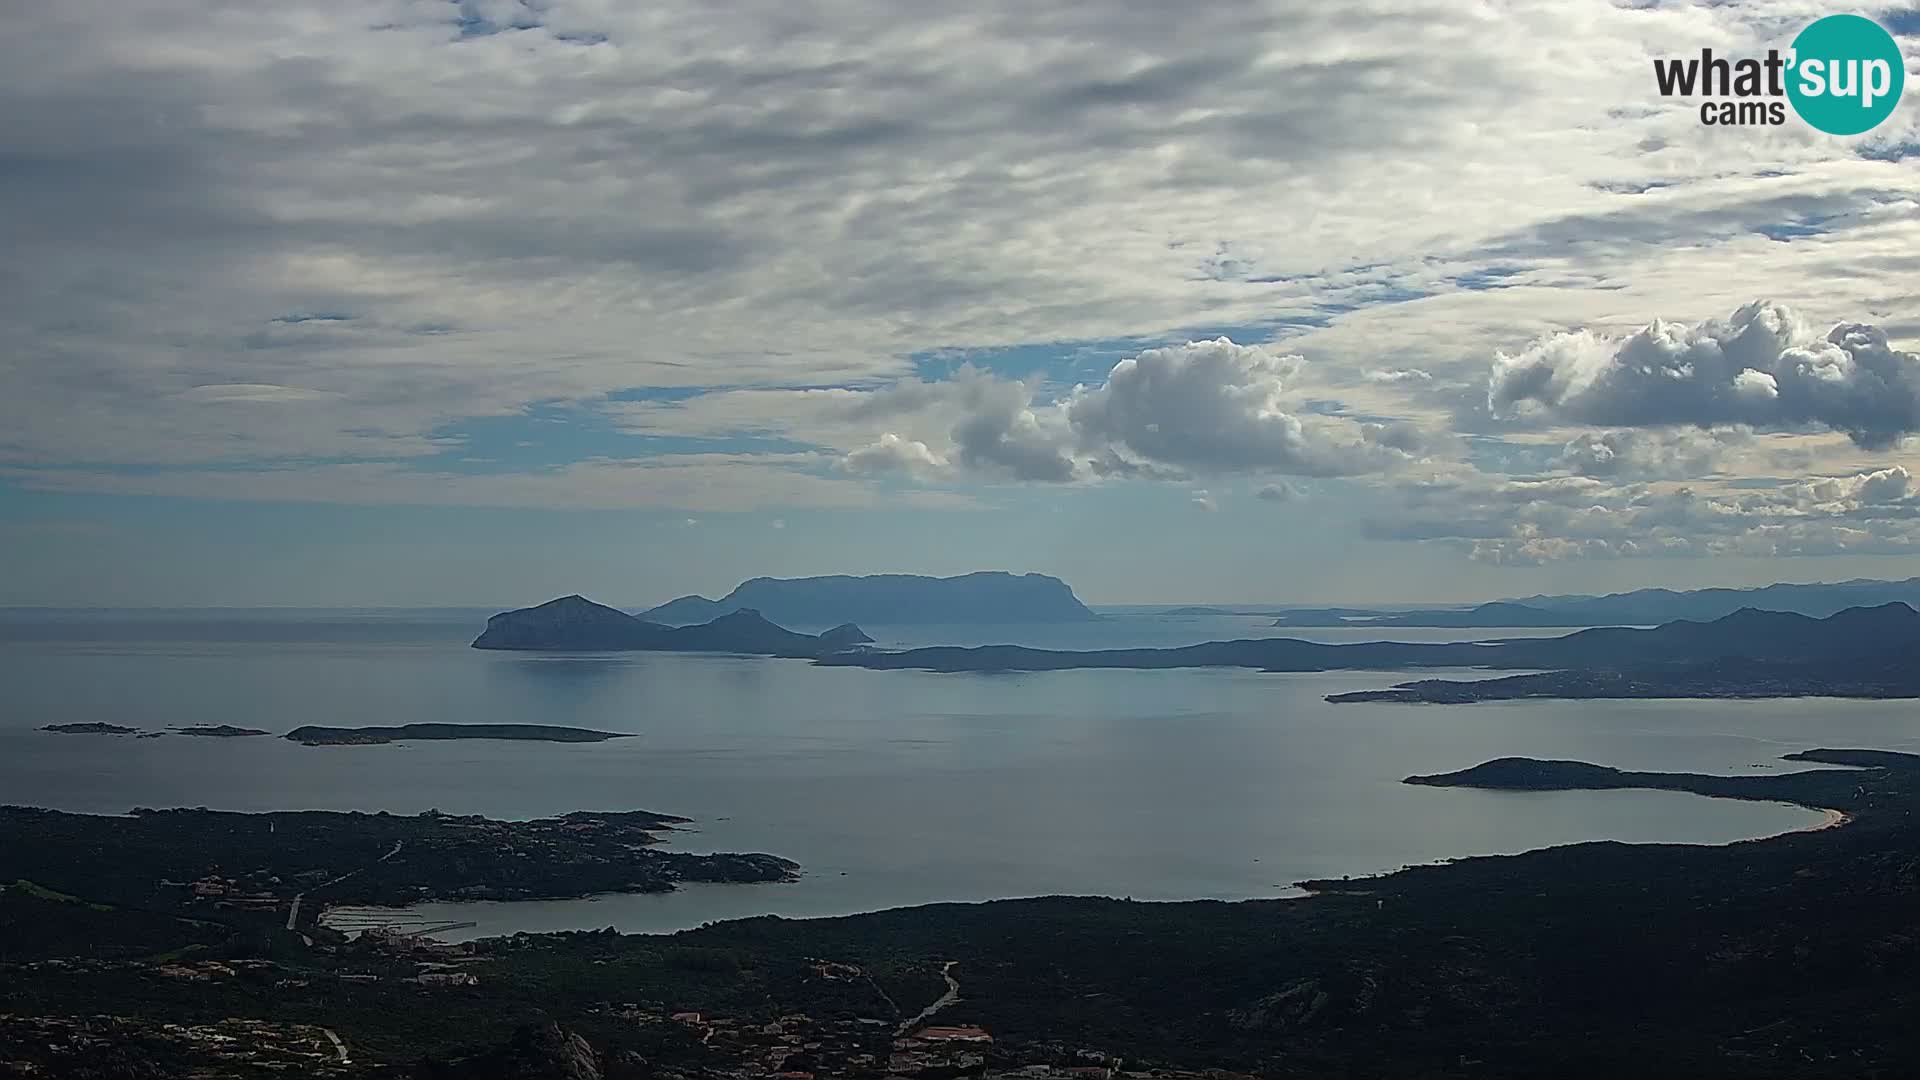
<point x="475" y="923"/>
<point x="1833" y="819"/>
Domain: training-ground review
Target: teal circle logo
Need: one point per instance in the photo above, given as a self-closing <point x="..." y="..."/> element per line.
<point x="1847" y="74"/>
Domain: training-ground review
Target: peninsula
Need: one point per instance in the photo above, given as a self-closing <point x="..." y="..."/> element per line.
<point x="201" y="863"/>
<point x="1860" y="652"/>
<point x="883" y="599"/>
<point x="576" y="624"/>
<point x="312" y="735"/>
<point x="1734" y="677"/>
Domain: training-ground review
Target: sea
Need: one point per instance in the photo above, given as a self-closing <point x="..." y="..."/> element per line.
<point x="890" y="788"/>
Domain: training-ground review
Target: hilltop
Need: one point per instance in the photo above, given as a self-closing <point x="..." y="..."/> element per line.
<point x="1641" y="607"/>
<point x="888" y="599"/>
<point x="1856" y="653"/>
<point x="576" y="624"/>
<point x="1785" y="654"/>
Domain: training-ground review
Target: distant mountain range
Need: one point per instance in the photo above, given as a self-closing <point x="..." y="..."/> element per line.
<point x="884" y="599"/>
<point x="1642" y="607"/>
<point x="576" y="624"/>
<point x="1886" y="635"/>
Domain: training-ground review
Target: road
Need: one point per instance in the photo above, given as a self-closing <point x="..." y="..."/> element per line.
<point x="293" y="912"/>
<point x="952" y="995"/>
<point x="339" y="1047"/>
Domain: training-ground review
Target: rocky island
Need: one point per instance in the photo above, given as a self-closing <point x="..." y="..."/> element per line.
<point x="219" y="731"/>
<point x="576" y="624"/>
<point x="373" y="736"/>
<point x="90" y="729"/>
<point x="887" y="599"/>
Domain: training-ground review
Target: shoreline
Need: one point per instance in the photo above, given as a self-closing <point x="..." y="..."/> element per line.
<point x="1306" y="889"/>
<point x="1832" y="819"/>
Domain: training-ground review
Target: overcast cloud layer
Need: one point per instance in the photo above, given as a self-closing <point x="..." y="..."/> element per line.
<point x="1449" y="274"/>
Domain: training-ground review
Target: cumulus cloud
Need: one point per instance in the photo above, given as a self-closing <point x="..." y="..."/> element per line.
<point x="891" y="453"/>
<point x="1216" y="405"/>
<point x="1765" y="366"/>
<point x="1196" y="409"/>
<point x="1277" y="492"/>
<point x="972" y="423"/>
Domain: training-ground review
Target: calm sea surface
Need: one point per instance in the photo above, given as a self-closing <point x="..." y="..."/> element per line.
<point x="890" y="788"/>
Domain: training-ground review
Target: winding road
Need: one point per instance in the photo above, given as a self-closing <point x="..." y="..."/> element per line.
<point x="952" y="995"/>
<point x="293" y="912"/>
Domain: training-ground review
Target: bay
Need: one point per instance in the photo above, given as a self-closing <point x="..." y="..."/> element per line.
<point x="890" y="788"/>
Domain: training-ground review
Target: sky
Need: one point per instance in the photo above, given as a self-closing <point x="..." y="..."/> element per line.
<point x="417" y="302"/>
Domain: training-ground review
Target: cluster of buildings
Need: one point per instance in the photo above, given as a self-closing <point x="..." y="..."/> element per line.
<point x="800" y="1047"/>
<point x="55" y="1047"/>
<point x="259" y="892"/>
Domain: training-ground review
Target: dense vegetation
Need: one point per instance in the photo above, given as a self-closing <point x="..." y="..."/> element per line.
<point x="1789" y="957"/>
<point x="201" y="861"/>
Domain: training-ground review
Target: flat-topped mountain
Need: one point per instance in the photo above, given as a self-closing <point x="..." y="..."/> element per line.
<point x="884" y="599"/>
<point x="576" y="624"/>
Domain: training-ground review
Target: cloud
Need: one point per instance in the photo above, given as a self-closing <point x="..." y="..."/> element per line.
<point x="1648" y="454"/>
<point x="1766" y="367"/>
<point x="256" y="393"/>
<point x="1203" y="502"/>
<point x="702" y="483"/>
<point x="296" y="238"/>
<point x="1218" y="406"/>
<point x="1547" y="520"/>
<point x="1277" y="492"/>
<point x="1398" y="375"/>
<point x="1195" y="409"/>
<point x="891" y="453"/>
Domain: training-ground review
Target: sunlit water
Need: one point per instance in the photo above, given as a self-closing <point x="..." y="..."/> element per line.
<point x="890" y="788"/>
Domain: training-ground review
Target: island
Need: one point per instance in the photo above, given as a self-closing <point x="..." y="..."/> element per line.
<point x="219" y="731"/>
<point x="576" y="624"/>
<point x="90" y="729"/>
<point x="1820" y="789"/>
<point x="885" y="599"/>
<point x="312" y="735"/>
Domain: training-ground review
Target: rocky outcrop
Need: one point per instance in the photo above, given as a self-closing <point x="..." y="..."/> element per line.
<point x="571" y="622"/>
<point x="576" y="624"/>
